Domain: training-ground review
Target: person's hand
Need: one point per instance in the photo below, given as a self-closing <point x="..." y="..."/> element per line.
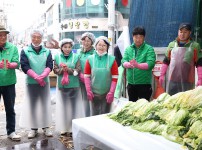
<point x="65" y="78"/>
<point x="110" y="95"/>
<point x="134" y="63"/>
<point x="64" y="67"/>
<point x="127" y="65"/>
<point x="164" y="68"/>
<point x="90" y="94"/>
<point x="199" y="82"/>
<point x="199" y="72"/>
<point x="81" y="77"/>
<point x="2" y="64"/>
<point x="55" y="43"/>
<point x="40" y="81"/>
<point x="12" y="65"/>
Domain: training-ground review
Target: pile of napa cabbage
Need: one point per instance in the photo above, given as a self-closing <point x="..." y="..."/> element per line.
<point x="177" y="118"/>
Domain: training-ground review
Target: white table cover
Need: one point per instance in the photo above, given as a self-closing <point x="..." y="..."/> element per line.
<point x="103" y="133"/>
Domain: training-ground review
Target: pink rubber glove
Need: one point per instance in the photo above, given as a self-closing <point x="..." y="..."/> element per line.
<point x="45" y="72"/>
<point x="81" y="77"/>
<point x="65" y="78"/>
<point x="35" y="76"/>
<point x="12" y="65"/>
<point x="2" y="64"/>
<point x="127" y="65"/>
<point x="64" y="66"/>
<point x="110" y="95"/>
<point x="163" y="73"/>
<point x="199" y="72"/>
<point x="142" y="66"/>
<point x="134" y="63"/>
<point x="88" y="88"/>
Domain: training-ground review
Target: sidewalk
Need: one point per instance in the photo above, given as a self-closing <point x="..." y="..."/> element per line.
<point x="41" y="141"/>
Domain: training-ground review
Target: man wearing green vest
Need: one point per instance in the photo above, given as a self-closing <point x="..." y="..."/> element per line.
<point x="9" y="61"/>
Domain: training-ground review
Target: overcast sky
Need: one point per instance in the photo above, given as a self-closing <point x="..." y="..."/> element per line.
<point x="23" y="14"/>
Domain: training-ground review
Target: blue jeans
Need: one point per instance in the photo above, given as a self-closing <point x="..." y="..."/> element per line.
<point x="8" y="93"/>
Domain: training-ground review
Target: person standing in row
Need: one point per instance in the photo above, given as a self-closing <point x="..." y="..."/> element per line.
<point x="100" y="77"/>
<point x="87" y="41"/>
<point x="36" y="62"/>
<point x="139" y="60"/>
<point x="68" y="93"/>
<point x="9" y="58"/>
<point x="182" y="55"/>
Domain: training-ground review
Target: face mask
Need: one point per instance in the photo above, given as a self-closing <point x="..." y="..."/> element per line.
<point x="37" y="45"/>
<point x="101" y="54"/>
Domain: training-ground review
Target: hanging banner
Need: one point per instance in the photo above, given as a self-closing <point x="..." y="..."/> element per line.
<point x="68" y="3"/>
<point x="124" y="40"/>
<point x="124" y="2"/>
<point x="95" y="2"/>
<point x="80" y="2"/>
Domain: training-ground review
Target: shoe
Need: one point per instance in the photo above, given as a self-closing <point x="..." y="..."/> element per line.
<point x="63" y="133"/>
<point x="48" y="132"/>
<point x="32" y="134"/>
<point x="13" y="136"/>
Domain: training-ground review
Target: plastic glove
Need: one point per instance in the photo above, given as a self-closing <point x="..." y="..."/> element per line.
<point x="12" y="65"/>
<point x="64" y="67"/>
<point x="127" y="65"/>
<point x="110" y="95"/>
<point x="88" y="88"/>
<point x="35" y="76"/>
<point x="162" y="74"/>
<point x="41" y="81"/>
<point x="81" y="77"/>
<point x="199" y="72"/>
<point x="65" y="78"/>
<point x="142" y="66"/>
<point x="134" y="63"/>
<point x="45" y="72"/>
<point x="2" y="64"/>
<point x="75" y="73"/>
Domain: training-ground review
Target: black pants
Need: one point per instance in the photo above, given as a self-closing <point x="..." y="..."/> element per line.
<point x="138" y="91"/>
<point x="8" y="93"/>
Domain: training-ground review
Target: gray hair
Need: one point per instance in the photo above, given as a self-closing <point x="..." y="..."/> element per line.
<point x="36" y="31"/>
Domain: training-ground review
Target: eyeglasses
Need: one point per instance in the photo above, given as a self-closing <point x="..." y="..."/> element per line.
<point x="3" y="35"/>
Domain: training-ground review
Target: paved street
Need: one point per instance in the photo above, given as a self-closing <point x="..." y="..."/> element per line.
<point x="4" y="141"/>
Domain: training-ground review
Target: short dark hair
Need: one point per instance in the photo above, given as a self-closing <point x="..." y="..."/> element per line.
<point x="139" y="31"/>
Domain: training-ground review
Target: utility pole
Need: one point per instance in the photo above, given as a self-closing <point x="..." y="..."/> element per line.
<point x="111" y="25"/>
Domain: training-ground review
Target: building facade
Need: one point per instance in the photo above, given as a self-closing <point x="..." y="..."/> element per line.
<point x="71" y="18"/>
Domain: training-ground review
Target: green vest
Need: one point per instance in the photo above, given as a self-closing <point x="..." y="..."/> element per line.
<point x="71" y="63"/>
<point x="101" y="72"/>
<point x="83" y="57"/>
<point x="37" y="63"/>
<point x="8" y="76"/>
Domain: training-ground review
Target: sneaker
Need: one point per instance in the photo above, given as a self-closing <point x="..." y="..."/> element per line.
<point x="63" y="132"/>
<point x="13" y="136"/>
<point x="48" y="132"/>
<point x="32" y="134"/>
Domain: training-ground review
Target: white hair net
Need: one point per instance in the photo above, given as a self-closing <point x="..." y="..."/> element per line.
<point x="102" y="38"/>
<point x="89" y="35"/>
<point x="64" y="41"/>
